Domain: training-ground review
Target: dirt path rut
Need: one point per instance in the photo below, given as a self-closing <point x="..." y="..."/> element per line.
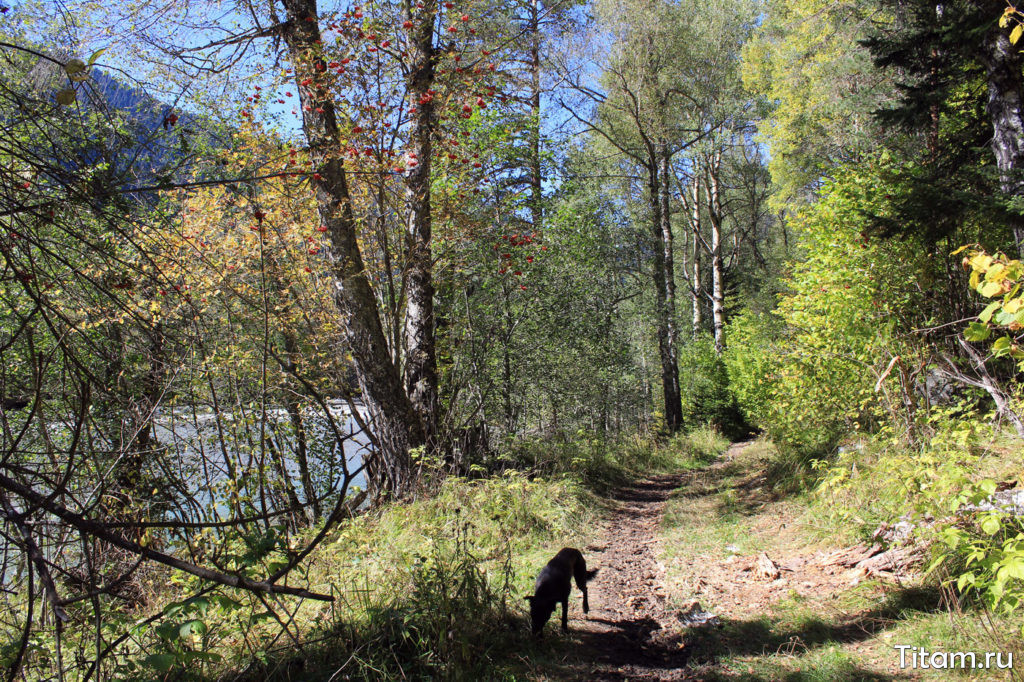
<point x="629" y="633"/>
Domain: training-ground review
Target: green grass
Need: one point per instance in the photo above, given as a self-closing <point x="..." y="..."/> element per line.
<point x="855" y="639"/>
<point x="704" y="445"/>
<point x="394" y="570"/>
<point x="846" y="631"/>
<point x="424" y="589"/>
<point x="432" y="588"/>
<point x="601" y="464"/>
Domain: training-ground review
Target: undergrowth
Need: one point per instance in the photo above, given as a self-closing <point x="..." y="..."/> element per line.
<point x="941" y="489"/>
<point x="600" y="464"/>
<point x="424" y="589"/>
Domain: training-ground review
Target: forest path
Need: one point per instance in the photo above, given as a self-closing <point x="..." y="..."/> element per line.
<point x="709" y="525"/>
<point x="631" y="633"/>
<point x="628" y="634"/>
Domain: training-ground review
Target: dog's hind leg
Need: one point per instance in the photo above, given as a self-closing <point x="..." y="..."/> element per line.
<point x="582" y="576"/>
<point x="565" y="615"/>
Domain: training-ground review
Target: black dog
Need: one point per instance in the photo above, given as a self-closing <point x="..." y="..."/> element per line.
<point x="554" y="584"/>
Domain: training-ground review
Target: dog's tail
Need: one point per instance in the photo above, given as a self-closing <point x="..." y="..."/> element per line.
<point x="589" y="575"/>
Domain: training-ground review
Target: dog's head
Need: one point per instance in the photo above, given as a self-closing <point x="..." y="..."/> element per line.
<point x="540" y="612"/>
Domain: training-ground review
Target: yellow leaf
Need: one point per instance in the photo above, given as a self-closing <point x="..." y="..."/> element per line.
<point x="1016" y="33"/>
<point x="996" y="273"/>
<point x="990" y="289"/>
<point x="982" y="261"/>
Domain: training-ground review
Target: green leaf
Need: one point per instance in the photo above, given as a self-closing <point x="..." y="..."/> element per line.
<point x="986" y="314"/>
<point x="991" y="524"/>
<point x="1013" y="567"/>
<point x="977" y="331"/>
<point x="193" y="627"/>
<point x="1004" y="318"/>
<point x="168" y="631"/>
<point x="96" y="55"/>
<point x="936" y="562"/>
<point x="200" y="603"/>
<point x="65" y="96"/>
<point x="160" y="662"/>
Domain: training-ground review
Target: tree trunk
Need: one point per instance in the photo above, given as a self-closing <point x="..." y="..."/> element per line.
<point x="506" y="367"/>
<point x="1006" y="109"/>
<point x="536" y="177"/>
<point x="715" y="212"/>
<point x="695" y="287"/>
<point x="664" y="285"/>
<point x="668" y="248"/>
<point x="395" y="425"/>
<point x="420" y="353"/>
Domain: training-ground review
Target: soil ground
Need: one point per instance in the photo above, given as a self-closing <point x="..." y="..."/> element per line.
<point x="624" y="637"/>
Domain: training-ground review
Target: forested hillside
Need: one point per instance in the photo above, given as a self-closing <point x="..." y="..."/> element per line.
<point x="324" y="325"/>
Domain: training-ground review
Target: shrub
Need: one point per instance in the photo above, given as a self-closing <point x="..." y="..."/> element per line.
<point x="811" y="379"/>
<point x="944" y="489"/>
<point x="704" y="384"/>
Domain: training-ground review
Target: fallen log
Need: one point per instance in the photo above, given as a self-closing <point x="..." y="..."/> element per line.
<point x="851" y="556"/>
<point x="871" y="560"/>
<point x="894" y="561"/>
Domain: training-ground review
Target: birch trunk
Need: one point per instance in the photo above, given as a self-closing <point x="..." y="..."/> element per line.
<point x="1006" y="110"/>
<point x="717" y="292"/>
<point x="664" y="285"/>
<point x="420" y="351"/>
<point x="695" y="286"/>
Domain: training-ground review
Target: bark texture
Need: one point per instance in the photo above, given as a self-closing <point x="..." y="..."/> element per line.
<point x="717" y="282"/>
<point x="1006" y="110"/>
<point x="695" y="286"/>
<point x="420" y="352"/>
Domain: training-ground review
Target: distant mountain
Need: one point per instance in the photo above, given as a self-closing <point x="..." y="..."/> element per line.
<point x="139" y="140"/>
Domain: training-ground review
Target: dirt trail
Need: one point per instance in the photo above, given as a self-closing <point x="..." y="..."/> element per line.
<point x="629" y="633"/>
<point x="634" y="630"/>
